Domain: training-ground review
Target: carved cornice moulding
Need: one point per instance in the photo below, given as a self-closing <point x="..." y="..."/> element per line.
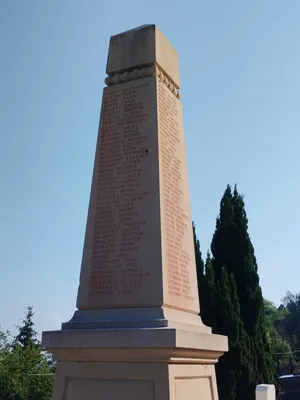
<point x="142" y="73"/>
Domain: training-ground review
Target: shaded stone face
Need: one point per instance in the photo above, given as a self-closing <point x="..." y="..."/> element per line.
<point x="138" y="249"/>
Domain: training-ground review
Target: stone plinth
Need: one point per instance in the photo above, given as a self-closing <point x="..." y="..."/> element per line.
<point x="157" y="364"/>
<point x="138" y="306"/>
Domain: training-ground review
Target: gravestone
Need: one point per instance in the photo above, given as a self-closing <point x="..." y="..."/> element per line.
<point x="137" y="331"/>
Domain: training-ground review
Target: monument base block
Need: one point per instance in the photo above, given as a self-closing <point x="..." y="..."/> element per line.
<point x="135" y="364"/>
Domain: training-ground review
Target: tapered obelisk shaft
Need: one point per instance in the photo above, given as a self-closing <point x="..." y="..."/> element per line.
<point x="136" y="332"/>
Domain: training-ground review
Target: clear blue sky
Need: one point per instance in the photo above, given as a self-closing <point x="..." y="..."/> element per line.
<point x="240" y="78"/>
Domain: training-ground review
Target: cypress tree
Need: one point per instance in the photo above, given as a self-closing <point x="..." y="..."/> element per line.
<point x="202" y="286"/>
<point x="239" y="306"/>
<point x="198" y="260"/>
<point x="235" y="374"/>
<point x="27" y="335"/>
<point x="209" y="313"/>
<point x="198" y="256"/>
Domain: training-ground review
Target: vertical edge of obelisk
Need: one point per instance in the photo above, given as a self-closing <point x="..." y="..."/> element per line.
<point x="91" y="209"/>
<point x="189" y="210"/>
<point x="166" y="57"/>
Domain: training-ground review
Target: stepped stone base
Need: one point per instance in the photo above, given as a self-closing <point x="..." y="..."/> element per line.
<point x="133" y="318"/>
<point x="135" y="364"/>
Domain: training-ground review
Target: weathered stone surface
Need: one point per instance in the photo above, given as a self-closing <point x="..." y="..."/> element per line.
<point x="134" y="381"/>
<point x="138" y="249"/>
<point x="137" y="332"/>
<point x="141" y="47"/>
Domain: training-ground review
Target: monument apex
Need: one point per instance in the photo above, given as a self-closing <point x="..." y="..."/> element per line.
<point x="142" y="47"/>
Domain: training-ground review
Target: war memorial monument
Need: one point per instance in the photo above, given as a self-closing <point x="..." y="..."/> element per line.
<point x="137" y="333"/>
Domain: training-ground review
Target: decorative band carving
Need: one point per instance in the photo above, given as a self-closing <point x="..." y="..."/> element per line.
<point x="142" y="73"/>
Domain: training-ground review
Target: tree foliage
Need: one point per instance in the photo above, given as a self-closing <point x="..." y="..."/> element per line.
<point x="200" y="272"/>
<point x="26" y="370"/>
<point x="290" y="325"/>
<point x="234" y="305"/>
<point x="274" y="318"/>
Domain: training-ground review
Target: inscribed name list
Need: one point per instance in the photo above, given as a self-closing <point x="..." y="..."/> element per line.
<point x="179" y="257"/>
<point x="138" y="249"/>
<point x="123" y="222"/>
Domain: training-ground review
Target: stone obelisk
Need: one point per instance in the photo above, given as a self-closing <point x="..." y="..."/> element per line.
<point x="137" y="331"/>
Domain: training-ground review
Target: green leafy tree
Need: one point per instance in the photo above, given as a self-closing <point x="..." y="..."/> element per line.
<point x="198" y="255"/>
<point x="291" y="323"/>
<point x="236" y="279"/>
<point x="27" y="336"/>
<point x="274" y="318"/>
<point x="277" y="338"/>
<point x="208" y="312"/>
<point x="232" y="380"/>
<point x="25" y="370"/>
<point x="3" y="339"/>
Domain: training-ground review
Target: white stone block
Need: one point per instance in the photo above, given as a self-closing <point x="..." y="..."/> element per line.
<point x="265" y="392"/>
